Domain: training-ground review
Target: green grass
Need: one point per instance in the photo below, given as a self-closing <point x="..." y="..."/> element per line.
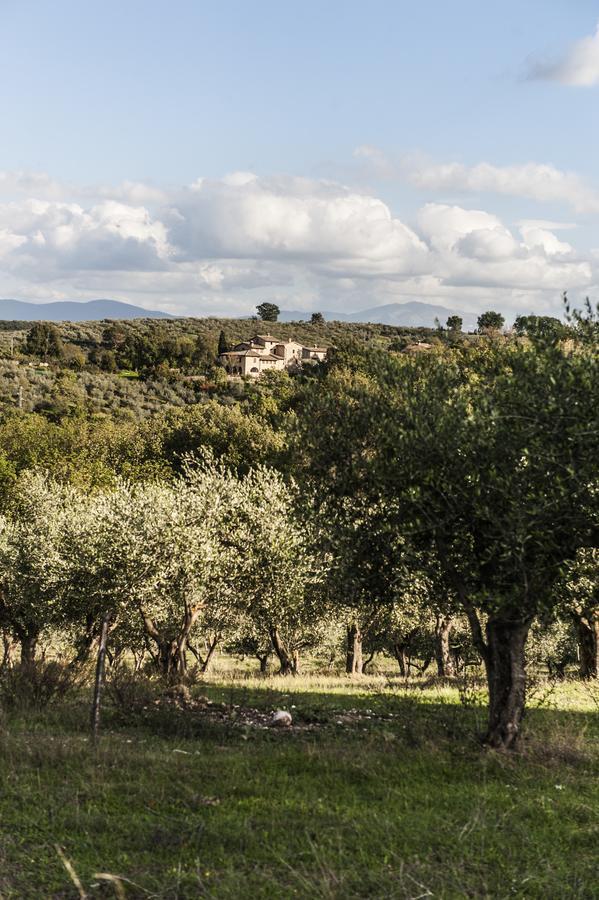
<point x="379" y="790"/>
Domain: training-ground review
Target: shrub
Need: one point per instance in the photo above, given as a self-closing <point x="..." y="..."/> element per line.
<point x="38" y="684"/>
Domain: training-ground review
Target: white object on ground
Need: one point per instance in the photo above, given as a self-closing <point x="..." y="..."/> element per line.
<point x="281" y="719"/>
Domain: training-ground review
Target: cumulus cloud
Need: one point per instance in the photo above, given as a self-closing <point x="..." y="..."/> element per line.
<point x="534" y="181"/>
<point x="578" y="67"/>
<point x="294" y="219"/>
<point x="223" y="245"/>
<point x="474" y="247"/>
<point x="49" y="235"/>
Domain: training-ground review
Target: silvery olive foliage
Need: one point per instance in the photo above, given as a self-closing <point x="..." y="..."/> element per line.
<point x="31" y="559"/>
<point x="282" y="571"/>
<point x="170" y="565"/>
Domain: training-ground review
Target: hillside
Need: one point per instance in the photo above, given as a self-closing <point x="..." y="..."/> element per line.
<point x="140" y="367"/>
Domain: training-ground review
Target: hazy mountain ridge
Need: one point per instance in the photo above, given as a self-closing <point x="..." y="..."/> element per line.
<point x="75" y="311"/>
<point x="412" y="314"/>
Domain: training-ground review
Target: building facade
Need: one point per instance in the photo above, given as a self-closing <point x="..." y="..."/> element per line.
<point x="264" y="352"/>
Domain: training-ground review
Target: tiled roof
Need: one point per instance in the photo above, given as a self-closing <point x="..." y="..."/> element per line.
<point x="254" y="354"/>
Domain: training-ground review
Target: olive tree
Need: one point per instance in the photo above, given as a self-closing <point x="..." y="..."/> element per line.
<point x="32" y="564"/>
<point x="487" y="459"/>
<point x="282" y="572"/>
<point x="177" y="563"/>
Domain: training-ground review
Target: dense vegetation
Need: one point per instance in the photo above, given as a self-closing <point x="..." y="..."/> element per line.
<point x="419" y="503"/>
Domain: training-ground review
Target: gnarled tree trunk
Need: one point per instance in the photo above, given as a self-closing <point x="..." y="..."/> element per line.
<point x="445" y="663"/>
<point x="587" y="627"/>
<point x="353" y="659"/>
<point x="401" y="655"/>
<point x="285" y="657"/>
<point x="28" y="642"/>
<point x="171" y="657"/>
<point x="263" y="660"/>
<point x="506" y="675"/>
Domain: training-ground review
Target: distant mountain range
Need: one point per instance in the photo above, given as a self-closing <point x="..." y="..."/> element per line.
<point x="412" y="315"/>
<point x="72" y="311"/>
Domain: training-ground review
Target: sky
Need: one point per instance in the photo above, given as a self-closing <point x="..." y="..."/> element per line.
<point x="200" y="157"/>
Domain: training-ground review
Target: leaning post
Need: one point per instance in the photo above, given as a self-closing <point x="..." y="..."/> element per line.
<point x="99" y="681"/>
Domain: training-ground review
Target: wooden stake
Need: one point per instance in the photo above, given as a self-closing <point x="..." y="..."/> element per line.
<point x="99" y="682"/>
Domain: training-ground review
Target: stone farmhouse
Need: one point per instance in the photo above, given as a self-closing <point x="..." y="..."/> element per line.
<point x="265" y="352"/>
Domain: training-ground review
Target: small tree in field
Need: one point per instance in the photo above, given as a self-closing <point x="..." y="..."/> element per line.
<point x="280" y="580"/>
<point x="490" y="321"/>
<point x="268" y="312"/>
<point x="500" y="478"/>
<point x="31" y="562"/>
<point x="454" y="323"/>
<point x="176" y="562"/>
<point x="317" y="318"/>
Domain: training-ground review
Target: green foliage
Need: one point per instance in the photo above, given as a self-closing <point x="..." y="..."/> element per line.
<point x="223" y="345"/>
<point x="43" y="340"/>
<point x="542" y="328"/>
<point x="490" y="321"/>
<point x="37" y="684"/>
<point x="268" y="312"/>
<point x="454" y="323"/>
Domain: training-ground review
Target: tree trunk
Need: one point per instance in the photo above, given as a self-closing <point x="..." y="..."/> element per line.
<point x="171" y="652"/>
<point x="426" y="663"/>
<point x="99" y="681"/>
<point x="399" y="652"/>
<point x="211" y="647"/>
<point x="367" y="662"/>
<point x="353" y="660"/>
<point x="263" y="660"/>
<point x="28" y="647"/>
<point x="205" y="661"/>
<point x="7" y="651"/>
<point x="506" y="676"/>
<point x="588" y="645"/>
<point x="283" y="655"/>
<point x="170" y="660"/>
<point x="445" y="663"/>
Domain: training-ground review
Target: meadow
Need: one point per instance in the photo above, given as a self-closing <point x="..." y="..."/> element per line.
<point x="380" y="789"/>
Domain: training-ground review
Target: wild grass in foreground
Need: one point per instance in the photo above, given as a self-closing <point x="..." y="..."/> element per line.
<point x="380" y="790"/>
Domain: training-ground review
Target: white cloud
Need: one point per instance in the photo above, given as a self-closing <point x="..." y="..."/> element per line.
<point x="49" y="236"/>
<point x="294" y="219"/>
<point x="579" y="67"/>
<point x="534" y="181"/>
<point x="474" y="247"/>
<point x="225" y="245"/>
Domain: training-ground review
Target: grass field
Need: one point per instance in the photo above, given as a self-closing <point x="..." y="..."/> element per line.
<point x="379" y="789"/>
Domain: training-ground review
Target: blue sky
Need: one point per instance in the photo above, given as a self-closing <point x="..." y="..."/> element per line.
<point x="203" y="156"/>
